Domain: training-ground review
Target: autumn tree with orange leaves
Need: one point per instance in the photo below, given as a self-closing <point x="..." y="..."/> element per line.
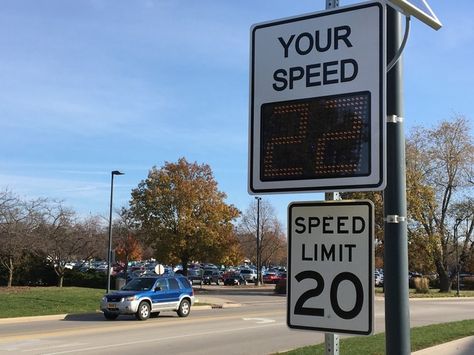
<point x="183" y="215"/>
<point x="128" y="248"/>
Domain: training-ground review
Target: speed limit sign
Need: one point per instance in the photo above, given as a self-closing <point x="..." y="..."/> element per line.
<point x="330" y="262"/>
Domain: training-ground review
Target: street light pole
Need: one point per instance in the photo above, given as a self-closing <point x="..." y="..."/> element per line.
<point x="258" y="240"/>
<point x="456" y="237"/>
<point x="109" y="250"/>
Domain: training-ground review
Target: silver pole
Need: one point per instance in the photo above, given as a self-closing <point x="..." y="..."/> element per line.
<point x="258" y="241"/>
<point x="331" y="340"/>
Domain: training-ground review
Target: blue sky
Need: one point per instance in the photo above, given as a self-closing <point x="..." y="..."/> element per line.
<point x="90" y="86"/>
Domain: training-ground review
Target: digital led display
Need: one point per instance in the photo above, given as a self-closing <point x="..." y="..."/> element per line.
<point x="316" y="138"/>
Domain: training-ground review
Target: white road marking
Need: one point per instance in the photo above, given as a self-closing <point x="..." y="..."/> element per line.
<point x="260" y="320"/>
<point x="54" y="347"/>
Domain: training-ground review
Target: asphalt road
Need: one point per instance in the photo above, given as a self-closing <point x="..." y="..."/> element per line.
<point x="257" y="327"/>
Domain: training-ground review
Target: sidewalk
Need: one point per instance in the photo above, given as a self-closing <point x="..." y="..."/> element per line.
<point x="464" y="346"/>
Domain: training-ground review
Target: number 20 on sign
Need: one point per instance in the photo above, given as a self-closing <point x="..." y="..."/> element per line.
<point x="330" y="262"/>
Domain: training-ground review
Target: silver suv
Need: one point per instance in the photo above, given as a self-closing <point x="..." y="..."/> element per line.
<point x="147" y="296"/>
<point x="249" y="275"/>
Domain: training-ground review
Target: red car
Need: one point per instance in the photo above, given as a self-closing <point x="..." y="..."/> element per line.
<point x="271" y="278"/>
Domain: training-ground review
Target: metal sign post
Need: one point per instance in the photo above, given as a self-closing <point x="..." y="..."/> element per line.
<point x="331" y="340"/>
<point x="397" y="312"/>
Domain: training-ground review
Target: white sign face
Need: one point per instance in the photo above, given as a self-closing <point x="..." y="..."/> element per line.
<point x="330" y="266"/>
<point x="159" y="269"/>
<point x="317" y="102"/>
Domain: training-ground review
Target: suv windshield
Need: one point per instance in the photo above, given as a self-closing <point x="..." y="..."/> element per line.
<point x="140" y="284"/>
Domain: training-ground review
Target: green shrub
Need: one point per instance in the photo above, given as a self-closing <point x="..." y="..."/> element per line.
<point x="90" y="278"/>
<point x="33" y="271"/>
<point x="280" y="287"/>
<point x="434" y="282"/>
<point x="467" y="283"/>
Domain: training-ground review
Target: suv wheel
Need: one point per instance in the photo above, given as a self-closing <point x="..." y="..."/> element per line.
<point x="143" y="312"/>
<point x="184" y="308"/>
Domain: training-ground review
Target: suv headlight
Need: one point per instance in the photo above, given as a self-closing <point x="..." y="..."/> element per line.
<point x="130" y="298"/>
<point x="104" y="299"/>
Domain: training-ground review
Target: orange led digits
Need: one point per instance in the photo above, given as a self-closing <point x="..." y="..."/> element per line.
<point x="324" y="137"/>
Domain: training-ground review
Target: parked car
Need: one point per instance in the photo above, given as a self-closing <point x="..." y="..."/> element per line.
<point x="148" y="296"/>
<point x="270" y="278"/>
<point x="229" y="273"/>
<point x="378" y="280"/>
<point x="378" y="277"/>
<point x="212" y="276"/>
<point x="195" y="276"/>
<point x="234" y="280"/>
<point x="249" y="275"/>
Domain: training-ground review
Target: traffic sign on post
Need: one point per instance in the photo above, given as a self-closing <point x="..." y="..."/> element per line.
<point x="330" y="266"/>
<point x="317" y="105"/>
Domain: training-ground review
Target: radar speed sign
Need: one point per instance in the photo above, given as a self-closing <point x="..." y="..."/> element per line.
<point x="317" y="101"/>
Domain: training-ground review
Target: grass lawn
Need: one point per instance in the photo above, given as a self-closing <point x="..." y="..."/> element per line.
<point x="42" y="301"/>
<point x="38" y="301"/>
<point x="421" y="338"/>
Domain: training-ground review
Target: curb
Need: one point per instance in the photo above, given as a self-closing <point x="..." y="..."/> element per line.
<point x="440" y="298"/>
<point x="36" y="318"/>
<point x="64" y="316"/>
<point x="459" y="346"/>
<point x="432" y="298"/>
